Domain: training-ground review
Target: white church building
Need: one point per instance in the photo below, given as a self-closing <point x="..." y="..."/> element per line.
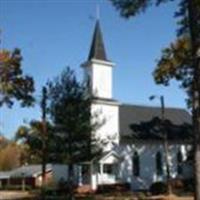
<point x="134" y="153"/>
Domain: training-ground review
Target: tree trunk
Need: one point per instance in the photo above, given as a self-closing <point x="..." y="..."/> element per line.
<point x="197" y="171"/>
<point x="43" y="193"/>
<point x="44" y="167"/>
<point x="71" y="183"/>
<point x="70" y="169"/>
<point x="195" y="37"/>
<point x="197" y="131"/>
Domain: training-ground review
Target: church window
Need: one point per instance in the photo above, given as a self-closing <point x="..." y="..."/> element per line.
<point x="159" y="164"/>
<point x="179" y="163"/>
<point x="108" y="168"/>
<point x="136" y="164"/>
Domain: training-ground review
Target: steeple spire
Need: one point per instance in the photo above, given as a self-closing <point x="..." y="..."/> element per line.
<point x="97" y="68"/>
<point x="97" y="50"/>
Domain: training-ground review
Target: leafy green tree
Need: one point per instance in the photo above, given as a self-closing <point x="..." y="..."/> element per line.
<point x="180" y="61"/>
<point x="32" y="137"/>
<point x="14" y="85"/>
<point x="70" y="110"/>
<point x="40" y="144"/>
<point x="39" y="139"/>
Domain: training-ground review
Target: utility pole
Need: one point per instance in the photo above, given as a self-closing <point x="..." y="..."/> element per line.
<point x="165" y="141"/>
<point x="43" y="106"/>
<point x="166" y="145"/>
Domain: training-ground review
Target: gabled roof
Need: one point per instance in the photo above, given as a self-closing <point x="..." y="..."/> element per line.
<point x="29" y="171"/>
<point x="102" y="158"/>
<point x="4" y="174"/>
<point x="136" y="121"/>
<point x="97" y="50"/>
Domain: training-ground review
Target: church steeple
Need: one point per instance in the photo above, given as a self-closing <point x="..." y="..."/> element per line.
<point x="97" y="50"/>
<point x="97" y="68"/>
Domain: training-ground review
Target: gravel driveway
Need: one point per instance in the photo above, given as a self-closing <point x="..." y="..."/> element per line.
<point x="15" y="195"/>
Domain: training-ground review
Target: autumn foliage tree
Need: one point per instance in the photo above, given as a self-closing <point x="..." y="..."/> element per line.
<point x="179" y="61"/>
<point x="10" y="154"/>
<point x="14" y="85"/>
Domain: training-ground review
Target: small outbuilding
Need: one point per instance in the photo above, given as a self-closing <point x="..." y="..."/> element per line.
<point x="31" y="175"/>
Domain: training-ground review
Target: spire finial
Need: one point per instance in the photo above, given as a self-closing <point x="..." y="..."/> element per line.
<point x="97" y="12"/>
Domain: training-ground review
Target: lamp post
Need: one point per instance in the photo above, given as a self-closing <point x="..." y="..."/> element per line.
<point x="165" y="139"/>
<point x="23" y="181"/>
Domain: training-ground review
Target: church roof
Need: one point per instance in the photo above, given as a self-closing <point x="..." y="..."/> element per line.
<point x="97" y="50"/>
<point x="143" y="122"/>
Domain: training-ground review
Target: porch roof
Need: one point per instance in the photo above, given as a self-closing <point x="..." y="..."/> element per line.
<point x="105" y="155"/>
<point x="102" y="157"/>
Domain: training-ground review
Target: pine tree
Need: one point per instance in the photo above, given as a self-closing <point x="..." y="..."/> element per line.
<point x="70" y="110"/>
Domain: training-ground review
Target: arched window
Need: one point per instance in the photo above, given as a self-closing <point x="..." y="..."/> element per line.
<point x="159" y="164"/>
<point x="136" y="164"/>
<point x="179" y="162"/>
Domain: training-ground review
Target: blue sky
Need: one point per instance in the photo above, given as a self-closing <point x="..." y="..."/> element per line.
<point x="53" y="34"/>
